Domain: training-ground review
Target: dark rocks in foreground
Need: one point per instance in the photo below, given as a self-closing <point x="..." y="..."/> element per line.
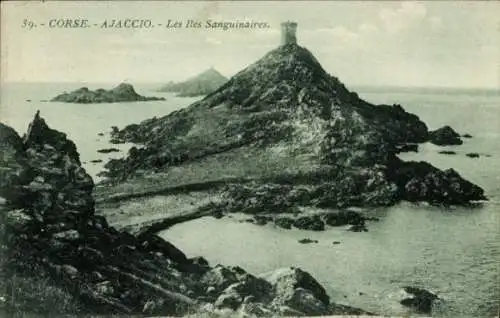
<point x="421" y="300"/>
<point x="445" y="136"/>
<point x="121" y="93"/>
<point x="48" y="225"/>
<point x="467" y="135"/>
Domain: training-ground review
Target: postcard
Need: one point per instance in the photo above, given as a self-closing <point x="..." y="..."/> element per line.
<point x="249" y="159"/>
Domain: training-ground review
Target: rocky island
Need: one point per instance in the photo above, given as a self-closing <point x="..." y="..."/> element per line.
<point x="291" y="149"/>
<point x="121" y="93"/>
<point x="200" y="85"/>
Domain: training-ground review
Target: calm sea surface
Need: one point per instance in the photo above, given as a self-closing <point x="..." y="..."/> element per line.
<point x="454" y="252"/>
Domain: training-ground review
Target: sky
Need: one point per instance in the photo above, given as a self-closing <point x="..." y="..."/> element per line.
<point x="444" y="44"/>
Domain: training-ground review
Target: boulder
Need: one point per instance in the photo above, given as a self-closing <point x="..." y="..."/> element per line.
<point x="421" y="300"/>
<point x="220" y="277"/>
<point x="284" y="222"/>
<point x="313" y="223"/>
<point x="445" y="136"/>
<point x="298" y="290"/>
<point x="248" y="288"/>
<point x="357" y="228"/>
<point x="343" y="217"/>
<point x="261" y="219"/>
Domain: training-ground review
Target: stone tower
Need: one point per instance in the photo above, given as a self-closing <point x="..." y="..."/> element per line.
<point x="288" y="33"/>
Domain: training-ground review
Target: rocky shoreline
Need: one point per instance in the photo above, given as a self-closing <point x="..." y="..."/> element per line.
<point x="121" y="93"/>
<point x="49" y="227"/>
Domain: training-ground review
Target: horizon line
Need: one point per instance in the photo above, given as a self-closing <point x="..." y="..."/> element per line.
<point x="359" y="85"/>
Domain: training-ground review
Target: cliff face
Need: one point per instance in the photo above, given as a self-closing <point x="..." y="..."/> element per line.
<point x="49" y="229"/>
<point x="121" y="93"/>
<point x="284" y="117"/>
<point x="202" y="84"/>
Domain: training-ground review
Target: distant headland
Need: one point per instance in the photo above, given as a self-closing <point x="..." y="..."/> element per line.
<point x="202" y="84"/>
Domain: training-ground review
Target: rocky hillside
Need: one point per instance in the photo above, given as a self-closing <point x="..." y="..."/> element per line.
<point x="200" y="85"/>
<point x="121" y="93"/>
<point x="49" y="229"/>
<point x="284" y="123"/>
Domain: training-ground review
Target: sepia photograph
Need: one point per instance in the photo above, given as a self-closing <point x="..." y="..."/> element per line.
<point x="250" y="159"/>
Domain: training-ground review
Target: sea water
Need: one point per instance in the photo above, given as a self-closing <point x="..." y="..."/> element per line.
<point x="454" y="252"/>
<point x="83" y="122"/>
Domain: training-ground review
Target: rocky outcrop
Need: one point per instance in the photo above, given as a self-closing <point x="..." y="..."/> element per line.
<point x="419" y="181"/>
<point x="291" y="135"/>
<point x="421" y="300"/>
<point x="121" y="93"/>
<point x="48" y="225"/>
<point x="445" y="136"/>
<point x="202" y="84"/>
<point x="11" y="156"/>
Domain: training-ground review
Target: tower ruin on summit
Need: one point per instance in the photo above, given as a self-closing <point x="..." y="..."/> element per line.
<point x="288" y="33"/>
